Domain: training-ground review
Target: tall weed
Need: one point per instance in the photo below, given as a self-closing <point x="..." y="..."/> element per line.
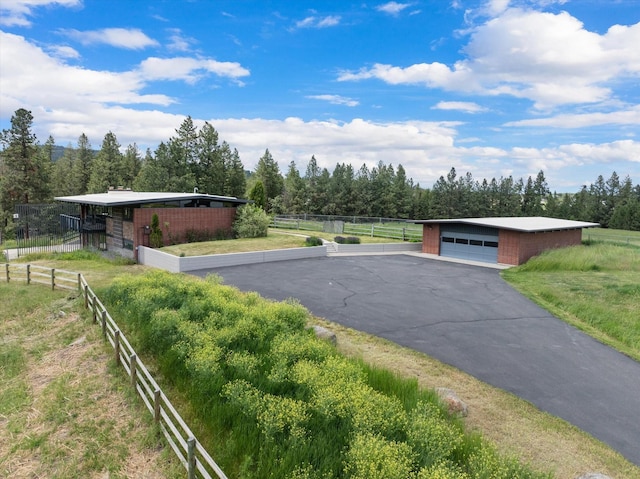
<point x="281" y="402"/>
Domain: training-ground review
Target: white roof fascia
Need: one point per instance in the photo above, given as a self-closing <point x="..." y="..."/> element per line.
<point x="528" y="224"/>
<point x="116" y="198"/>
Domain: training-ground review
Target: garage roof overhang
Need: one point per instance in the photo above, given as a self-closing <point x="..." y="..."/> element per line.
<point x="126" y="197"/>
<point x="526" y="224"/>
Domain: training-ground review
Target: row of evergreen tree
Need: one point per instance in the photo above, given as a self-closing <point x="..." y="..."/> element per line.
<point x="197" y="158"/>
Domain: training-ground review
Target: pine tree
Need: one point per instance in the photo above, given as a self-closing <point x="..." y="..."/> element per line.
<point x="25" y="170"/>
<point x="235" y="183"/>
<point x="62" y="174"/>
<point x="130" y="166"/>
<point x="294" y="191"/>
<point x="268" y="172"/>
<point x="82" y="166"/>
<point x="106" y="166"/>
<point x="210" y="170"/>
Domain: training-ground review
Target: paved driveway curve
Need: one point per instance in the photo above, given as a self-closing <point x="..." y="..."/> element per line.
<point x="468" y="317"/>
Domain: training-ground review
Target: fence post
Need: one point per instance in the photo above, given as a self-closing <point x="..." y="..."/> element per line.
<point x="191" y="457"/>
<point x="53" y="278"/>
<point x="156" y="404"/>
<point x="28" y="274"/>
<point x="86" y="297"/>
<point x="134" y="370"/>
<point x="372" y="228"/>
<point x="94" y="315"/>
<point x="6" y="267"/>
<point x="403" y="234"/>
<point x="79" y="282"/>
<point x="116" y="344"/>
<point x="104" y="323"/>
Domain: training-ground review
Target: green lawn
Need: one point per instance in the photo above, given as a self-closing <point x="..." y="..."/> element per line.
<point x="276" y="240"/>
<point x="593" y="287"/>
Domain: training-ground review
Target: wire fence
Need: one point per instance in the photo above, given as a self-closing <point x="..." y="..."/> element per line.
<point x="196" y="460"/>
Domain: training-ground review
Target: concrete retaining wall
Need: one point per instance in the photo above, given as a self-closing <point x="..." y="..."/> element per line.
<point x="378" y="248"/>
<point x="175" y="264"/>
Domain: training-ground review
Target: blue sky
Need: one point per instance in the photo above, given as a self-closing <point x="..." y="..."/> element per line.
<point x="494" y="87"/>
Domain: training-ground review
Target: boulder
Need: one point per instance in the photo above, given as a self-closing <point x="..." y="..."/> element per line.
<point x="455" y="405"/>
<point x="593" y="475"/>
<point x="324" y="333"/>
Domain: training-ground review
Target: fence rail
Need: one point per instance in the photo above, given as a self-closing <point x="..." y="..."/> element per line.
<point x="609" y="238"/>
<point x="192" y="455"/>
<point x="378" y="227"/>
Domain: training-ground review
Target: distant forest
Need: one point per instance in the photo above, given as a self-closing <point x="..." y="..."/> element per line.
<point x="31" y="172"/>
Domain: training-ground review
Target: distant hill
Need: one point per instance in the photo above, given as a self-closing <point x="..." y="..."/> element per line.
<point x="58" y="152"/>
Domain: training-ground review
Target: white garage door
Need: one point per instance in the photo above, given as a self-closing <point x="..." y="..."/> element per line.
<point x="475" y="243"/>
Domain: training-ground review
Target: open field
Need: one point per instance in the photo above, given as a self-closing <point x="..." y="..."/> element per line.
<point x="66" y="411"/>
<point x="611" y="236"/>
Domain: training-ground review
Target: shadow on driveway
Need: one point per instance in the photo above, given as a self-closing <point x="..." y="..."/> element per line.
<point x="468" y="317"/>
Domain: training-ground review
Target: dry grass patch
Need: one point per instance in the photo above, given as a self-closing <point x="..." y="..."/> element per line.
<point x="515" y="426"/>
<point x="69" y="412"/>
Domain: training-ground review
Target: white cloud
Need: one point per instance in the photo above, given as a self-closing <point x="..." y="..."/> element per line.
<point x="393" y="8"/>
<point x="69" y="100"/>
<point x="629" y="116"/>
<point x="335" y="99"/>
<point x="47" y="84"/>
<point x="63" y="51"/>
<point x="129" y="38"/>
<point x="464" y="106"/>
<point x="178" y="42"/>
<point x="550" y="59"/>
<point x="188" y="69"/>
<point x="48" y="81"/>
<point x="16" y="13"/>
<point x="319" y="22"/>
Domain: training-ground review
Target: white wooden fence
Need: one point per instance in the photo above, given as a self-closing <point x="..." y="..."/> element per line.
<point x="195" y="459"/>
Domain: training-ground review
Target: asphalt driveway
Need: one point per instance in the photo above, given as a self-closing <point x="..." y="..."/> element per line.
<point x="468" y="317"/>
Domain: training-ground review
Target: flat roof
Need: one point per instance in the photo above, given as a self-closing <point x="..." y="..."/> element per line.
<point x="128" y="197"/>
<point x="528" y="224"/>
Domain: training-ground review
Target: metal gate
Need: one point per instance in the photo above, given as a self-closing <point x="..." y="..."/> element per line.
<point x="47" y="227"/>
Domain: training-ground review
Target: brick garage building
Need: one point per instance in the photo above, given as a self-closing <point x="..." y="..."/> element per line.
<point x="511" y="240"/>
<point x="120" y="220"/>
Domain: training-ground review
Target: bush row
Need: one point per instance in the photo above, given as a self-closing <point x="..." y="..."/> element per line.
<point x="279" y="402"/>
<point x="347" y="240"/>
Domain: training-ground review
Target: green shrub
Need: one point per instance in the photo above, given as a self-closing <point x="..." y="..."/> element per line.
<point x="347" y="240"/>
<point x="155" y="237"/>
<point x="275" y="399"/>
<point x="313" y="241"/>
<point x="251" y="222"/>
<point x="374" y="457"/>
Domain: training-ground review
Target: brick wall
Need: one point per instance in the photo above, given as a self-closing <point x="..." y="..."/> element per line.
<point x="431" y="238"/>
<point x="180" y="220"/>
<point x="517" y="247"/>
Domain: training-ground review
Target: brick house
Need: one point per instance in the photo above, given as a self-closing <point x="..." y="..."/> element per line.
<point x="120" y="220"/>
<point x="510" y="240"/>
